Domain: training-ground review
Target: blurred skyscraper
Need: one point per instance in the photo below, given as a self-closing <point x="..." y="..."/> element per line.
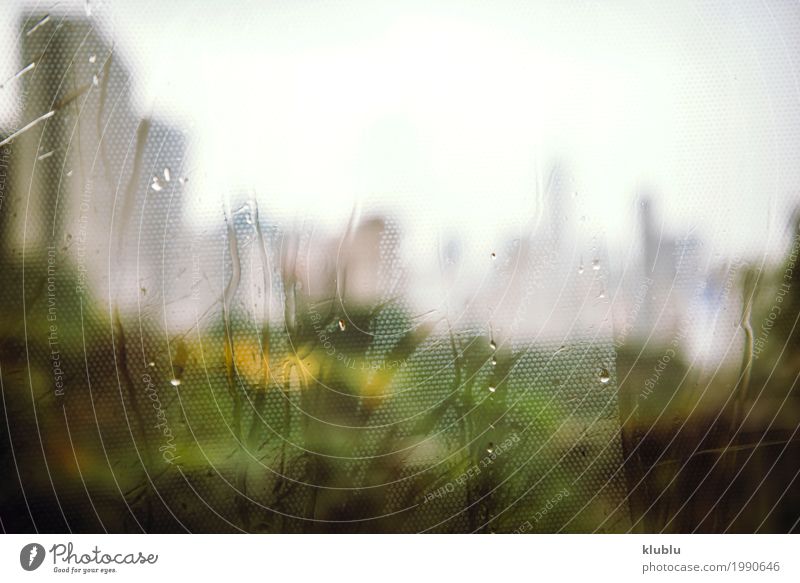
<point x="82" y="174"/>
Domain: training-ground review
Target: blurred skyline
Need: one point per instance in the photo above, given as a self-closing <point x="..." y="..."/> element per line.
<point x="410" y="111"/>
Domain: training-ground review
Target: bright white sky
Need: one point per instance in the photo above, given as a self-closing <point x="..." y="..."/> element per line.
<point x="443" y="111"/>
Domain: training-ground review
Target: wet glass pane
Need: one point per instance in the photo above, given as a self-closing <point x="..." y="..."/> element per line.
<point x="356" y="267"/>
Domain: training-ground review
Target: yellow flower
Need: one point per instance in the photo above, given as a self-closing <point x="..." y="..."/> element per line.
<point x="250" y="362"/>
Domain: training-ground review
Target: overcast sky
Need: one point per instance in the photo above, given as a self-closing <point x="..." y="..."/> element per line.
<point x="450" y="114"/>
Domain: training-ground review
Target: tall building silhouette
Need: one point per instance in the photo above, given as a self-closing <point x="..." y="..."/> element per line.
<point x="83" y="173"/>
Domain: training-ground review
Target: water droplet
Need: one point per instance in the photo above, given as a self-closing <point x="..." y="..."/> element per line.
<point x="490" y="447"/>
<point x="605" y="376"/>
<point x="183" y="180"/>
<point x="156" y="185"/>
<point x="494" y="361"/>
<point x="492" y="345"/>
<point x="166" y="174"/>
<point x="46" y="155"/>
<point x="580" y="269"/>
<point x="92" y="58"/>
<point x="41" y="22"/>
<point x="492" y="389"/>
<point x="20" y="73"/>
<point x="494" y="255"/>
<point x="25" y="128"/>
<point x="245" y="210"/>
<point x="596" y="264"/>
<point x="151" y="364"/>
<point x="342" y="325"/>
<point x="69" y="173"/>
<point x="175" y="382"/>
<point x="95" y="80"/>
<point x="88" y="8"/>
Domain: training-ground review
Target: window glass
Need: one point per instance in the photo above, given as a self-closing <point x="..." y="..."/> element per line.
<point x="351" y="267"/>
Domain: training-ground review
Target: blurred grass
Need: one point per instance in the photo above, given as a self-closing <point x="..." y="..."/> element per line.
<point x="273" y="433"/>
